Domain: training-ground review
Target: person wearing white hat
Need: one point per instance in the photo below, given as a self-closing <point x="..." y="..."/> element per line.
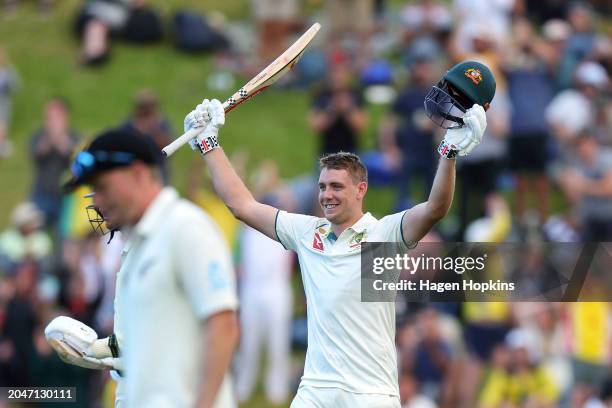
<point x="572" y="111"/>
<point x="25" y="238"/>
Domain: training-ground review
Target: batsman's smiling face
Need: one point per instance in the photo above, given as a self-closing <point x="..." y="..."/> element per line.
<point x="340" y="196"/>
<point x="115" y="196"/>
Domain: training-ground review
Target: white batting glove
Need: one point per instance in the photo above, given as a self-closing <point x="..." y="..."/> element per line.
<point x="210" y="116"/>
<point x="461" y="141"/>
<point x="78" y="344"/>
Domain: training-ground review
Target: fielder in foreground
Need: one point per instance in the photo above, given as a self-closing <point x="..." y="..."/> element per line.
<point x="351" y="357"/>
<point x="175" y="301"/>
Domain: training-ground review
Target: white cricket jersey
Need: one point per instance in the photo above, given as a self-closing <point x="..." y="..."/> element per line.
<point x="351" y="344"/>
<point x="176" y="271"/>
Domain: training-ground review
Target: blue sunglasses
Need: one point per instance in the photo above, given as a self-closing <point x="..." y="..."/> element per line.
<point x="85" y="162"/>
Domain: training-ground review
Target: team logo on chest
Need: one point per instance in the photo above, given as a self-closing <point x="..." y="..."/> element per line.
<point x="357" y="240"/>
<point x="317" y="242"/>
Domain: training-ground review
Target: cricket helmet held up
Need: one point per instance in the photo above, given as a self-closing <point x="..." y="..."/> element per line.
<point x="465" y="84"/>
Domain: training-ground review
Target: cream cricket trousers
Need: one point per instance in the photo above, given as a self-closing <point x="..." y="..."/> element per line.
<point x="320" y="397"/>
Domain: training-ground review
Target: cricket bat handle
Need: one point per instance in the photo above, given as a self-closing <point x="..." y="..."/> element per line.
<point x="187" y="136"/>
<point x="179" y="141"/>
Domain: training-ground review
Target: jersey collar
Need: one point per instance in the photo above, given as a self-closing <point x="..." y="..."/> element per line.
<point x="156" y="212"/>
<point x="363" y="223"/>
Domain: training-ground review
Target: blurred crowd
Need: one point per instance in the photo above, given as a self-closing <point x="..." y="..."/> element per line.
<point x="548" y="145"/>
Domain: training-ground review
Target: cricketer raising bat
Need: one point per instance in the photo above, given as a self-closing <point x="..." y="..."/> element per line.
<point x="279" y="67"/>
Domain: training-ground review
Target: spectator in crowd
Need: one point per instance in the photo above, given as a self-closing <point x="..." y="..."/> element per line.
<point x="603" y="125"/>
<point x="516" y="378"/>
<point x="587" y="184"/>
<point x="90" y="278"/>
<point x="105" y="257"/>
<point x="425" y="23"/>
<point x="147" y="120"/>
<point x="72" y="293"/>
<point x="19" y="320"/>
<point x="574" y="110"/>
<point x="99" y="20"/>
<point x="530" y="89"/>
<point x="24" y="240"/>
<point x="485" y="328"/>
<point x="265" y="318"/>
<point x="472" y="15"/>
<point x="495" y="226"/>
<point x="407" y="135"/>
<point x="590" y="337"/>
<point x="352" y="23"/>
<point x="554" y="35"/>
<point x="51" y="148"/>
<point x="543" y="325"/>
<point x="8" y="83"/>
<point x="432" y="356"/>
<point x="337" y="113"/>
<point x="581" y="42"/>
<point x="95" y="23"/>
<point x="276" y="20"/>
<point x="425" y="18"/>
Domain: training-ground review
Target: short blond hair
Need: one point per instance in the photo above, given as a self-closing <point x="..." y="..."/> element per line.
<point x="345" y="161"/>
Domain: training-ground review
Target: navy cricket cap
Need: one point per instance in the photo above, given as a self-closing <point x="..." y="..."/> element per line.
<point x="111" y="149"/>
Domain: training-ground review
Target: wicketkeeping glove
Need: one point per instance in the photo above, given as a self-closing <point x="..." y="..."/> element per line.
<point x="461" y="141"/>
<point x="78" y="344"/>
<point x="210" y="116"/>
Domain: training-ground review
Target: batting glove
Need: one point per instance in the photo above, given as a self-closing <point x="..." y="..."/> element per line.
<point x="78" y="344"/>
<point x="461" y="141"/>
<point x="209" y="116"/>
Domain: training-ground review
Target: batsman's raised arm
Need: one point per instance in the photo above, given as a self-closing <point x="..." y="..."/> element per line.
<point x="210" y="116"/>
<point x="457" y="142"/>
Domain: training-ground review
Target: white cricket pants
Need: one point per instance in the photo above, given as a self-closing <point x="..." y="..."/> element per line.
<point x="265" y="317"/>
<point x="320" y="397"/>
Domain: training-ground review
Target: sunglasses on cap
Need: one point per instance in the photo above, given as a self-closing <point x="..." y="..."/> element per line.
<point x="86" y="162"/>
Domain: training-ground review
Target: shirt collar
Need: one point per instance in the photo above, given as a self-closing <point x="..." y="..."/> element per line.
<point x="364" y="222"/>
<point x="156" y="212"/>
<point x="361" y="224"/>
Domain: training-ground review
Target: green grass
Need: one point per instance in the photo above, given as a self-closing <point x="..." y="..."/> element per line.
<point x="45" y="53"/>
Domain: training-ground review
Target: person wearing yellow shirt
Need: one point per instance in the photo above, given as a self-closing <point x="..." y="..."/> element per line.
<point x="516" y="378"/>
<point x="590" y="328"/>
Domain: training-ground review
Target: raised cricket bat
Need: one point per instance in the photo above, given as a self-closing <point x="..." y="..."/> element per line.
<point x="279" y="67"/>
